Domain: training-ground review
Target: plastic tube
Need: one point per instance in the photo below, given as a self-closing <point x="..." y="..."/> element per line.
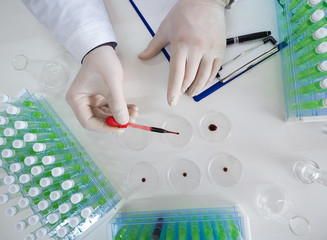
<point x="145" y="232"/>
<point x="182" y="231"/>
<point x="80" y="180"/>
<point x="42" y="137"/>
<point x="73" y="222"/>
<point x="60" y="171"/>
<point x="44" y="204"/>
<point x="9" y="132"/>
<point x="22" y="111"/>
<point x="40" y="147"/>
<point x="89" y="192"/>
<point x="50" y="159"/>
<point x="8" y="180"/>
<point x="86" y="212"/>
<point x="315" y="71"/>
<point x="14" y="188"/>
<point x="221" y="232"/>
<point x="121" y="233"/>
<point x="316" y="87"/>
<point x="16" y="167"/>
<point x="19" y="125"/>
<point x="315" y="104"/>
<point x="30" y="160"/>
<point x="34" y="219"/>
<point x="65" y="207"/>
<point x="30" y="236"/>
<point x="207" y="230"/>
<point x="320" y="49"/>
<point x="12" y="211"/>
<point x="4" y="198"/>
<point x="23" y="203"/>
<point x="25" y="178"/>
<point x="4" y="120"/>
<point x="34" y="192"/>
<point x="63" y="231"/>
<point x="195" y="230"/>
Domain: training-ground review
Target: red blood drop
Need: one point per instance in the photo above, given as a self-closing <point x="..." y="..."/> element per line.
<point x="212" y="127"/>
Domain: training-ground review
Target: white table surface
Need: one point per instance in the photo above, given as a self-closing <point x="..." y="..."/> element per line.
<point x="261" y="139"/>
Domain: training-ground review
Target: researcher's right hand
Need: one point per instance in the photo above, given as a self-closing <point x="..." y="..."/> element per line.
<point x="97" y="92"/>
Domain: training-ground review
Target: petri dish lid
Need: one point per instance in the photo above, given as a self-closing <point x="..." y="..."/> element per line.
<point x="215" y="127"/>
<point x="184" y="176"/>
<point x="182" y="126"/>
<point x="144" y="179"/>
<point x="225" y="170"/>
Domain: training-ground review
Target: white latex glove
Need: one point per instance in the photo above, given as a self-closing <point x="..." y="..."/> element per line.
<point x="97" y="92"/>
<point x="195" y="30"/>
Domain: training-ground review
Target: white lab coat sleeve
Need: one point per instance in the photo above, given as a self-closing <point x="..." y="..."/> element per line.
<point x="80" y="25"/>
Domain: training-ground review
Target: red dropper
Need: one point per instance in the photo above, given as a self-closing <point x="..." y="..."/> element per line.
<point x="111" y="122"/>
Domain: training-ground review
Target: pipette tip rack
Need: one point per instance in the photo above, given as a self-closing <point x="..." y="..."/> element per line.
<point x="302" y="27"/>
<point x="179" y="224"/>
<point x="48" y="170"/>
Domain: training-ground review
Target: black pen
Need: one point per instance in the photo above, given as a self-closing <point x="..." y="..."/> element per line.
<point x="157" y="229"/>
<point x="247" y="37"/>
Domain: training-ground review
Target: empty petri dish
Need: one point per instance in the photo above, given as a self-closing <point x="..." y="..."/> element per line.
<point x="184" y="176"/>
<point x="144" y="179"/>
<point x="180" y="125"/>
<point x="215" y="127"/>
<point x="135" y="139"/>
<point x="225" y="170"/>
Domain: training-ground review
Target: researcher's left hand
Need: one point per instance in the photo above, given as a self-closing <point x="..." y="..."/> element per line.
<point x="195" y="30"/>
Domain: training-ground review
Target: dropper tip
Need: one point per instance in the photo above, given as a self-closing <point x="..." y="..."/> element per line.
<point x="177" y="133"/>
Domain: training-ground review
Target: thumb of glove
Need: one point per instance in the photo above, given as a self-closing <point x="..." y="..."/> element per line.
<point x="117" y="105"/>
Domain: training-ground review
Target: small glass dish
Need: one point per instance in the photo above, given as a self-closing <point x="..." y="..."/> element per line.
<point x="180" y="125"/>
<point x="135" y="139"/>
<point x="144" y="179"/>
<point x="184" y="176"/>
<point x="225" y="170"/>
<point x="215" y="127"/>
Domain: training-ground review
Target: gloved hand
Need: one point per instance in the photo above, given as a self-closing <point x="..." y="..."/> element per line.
<point x="195" y="30"/>
<point x="97" y="92"/>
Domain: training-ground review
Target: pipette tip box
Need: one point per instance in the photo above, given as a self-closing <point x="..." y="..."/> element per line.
<point x="202" y="223"/>
<point x="297" y="36"/>
<point x="49" y="168"/>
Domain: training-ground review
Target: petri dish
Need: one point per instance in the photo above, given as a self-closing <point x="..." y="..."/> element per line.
<point x="184" y="176"/>
<point x="215" y="127"/>
<point x="180" y="125"/>
<point x="144" y="179"/>
<point x="305" y="171"/>
<point x="134" y="139"/>
<point x="225" y="170"/>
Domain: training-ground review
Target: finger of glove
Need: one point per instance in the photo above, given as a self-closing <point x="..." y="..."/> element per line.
<point x="215" y="69"/>
<point x="117" y="104"/>
<point x="202" y="77"/>
<point x="154" y="47"/>
<point x="84" y="113"/>
<point x="103" y="112"/>
<point x="176" y="75"/>
<point x="191" y="69"/>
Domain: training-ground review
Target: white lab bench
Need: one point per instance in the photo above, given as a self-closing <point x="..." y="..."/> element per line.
<point x="266" y="145"/>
